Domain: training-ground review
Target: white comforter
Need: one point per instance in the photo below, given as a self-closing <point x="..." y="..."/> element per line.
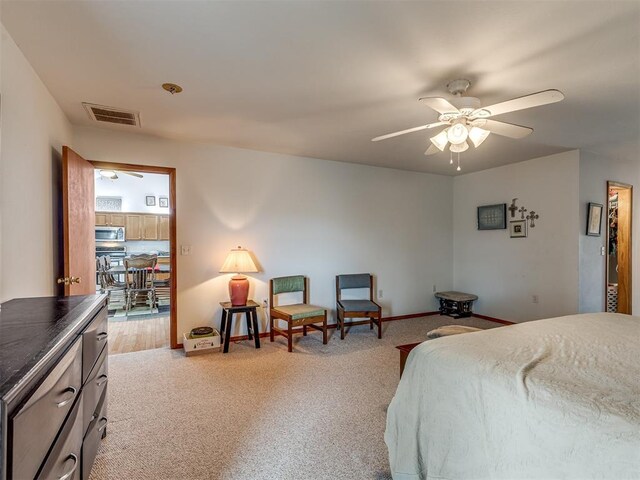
<point x="555" y="398"/>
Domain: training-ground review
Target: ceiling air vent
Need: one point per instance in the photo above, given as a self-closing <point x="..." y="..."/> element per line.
<point x="100" y="113"/>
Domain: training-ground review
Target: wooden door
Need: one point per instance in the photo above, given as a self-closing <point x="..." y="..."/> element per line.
<point x="624" y="250"/>
<point x="133" y="227"/>
<point x="78" y="217"/>
<point x="163" y="227"/>
<point x="150" y="230"/>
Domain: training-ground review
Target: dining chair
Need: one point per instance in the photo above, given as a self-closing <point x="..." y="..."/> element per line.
<point x="357" y="308"/>
<point x="296" y="315"/>
<point x="106" y="280"/>
<point x="140" y="274"/>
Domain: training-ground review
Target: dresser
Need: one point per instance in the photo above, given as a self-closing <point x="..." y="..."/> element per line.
<point x="53" y="386"/>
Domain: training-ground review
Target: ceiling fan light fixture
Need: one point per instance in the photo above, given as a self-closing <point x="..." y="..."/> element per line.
<point x="440" y="140"/>
<point x="478" y="135"/>
<point x="459" y="147"/>
<point x="108" y="174"/>
<point x="480" y="113"/>
<point x="457" y="133"/>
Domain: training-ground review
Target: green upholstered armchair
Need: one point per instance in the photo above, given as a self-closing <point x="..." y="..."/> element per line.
<point x="365" y="308"/>
<point x="296" y="315"/>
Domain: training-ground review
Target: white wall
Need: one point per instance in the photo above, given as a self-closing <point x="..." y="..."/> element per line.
<point x="298" y="216"/>
<point x="33" y="132"/>
<point x="595" y="171"/>
<point x="506" y="272"/>
<point x="134" y="190"/>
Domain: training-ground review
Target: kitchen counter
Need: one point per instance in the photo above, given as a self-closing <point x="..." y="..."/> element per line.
<point x="34" y="330"/>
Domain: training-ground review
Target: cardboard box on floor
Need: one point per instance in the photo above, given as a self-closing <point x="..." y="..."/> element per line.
<point x="198" y="346"/>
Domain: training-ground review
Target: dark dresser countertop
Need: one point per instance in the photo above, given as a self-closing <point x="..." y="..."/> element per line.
<point x="34" y="331"/>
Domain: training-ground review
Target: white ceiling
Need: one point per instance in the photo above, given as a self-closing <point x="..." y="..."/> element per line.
<point x="320" y="79"/>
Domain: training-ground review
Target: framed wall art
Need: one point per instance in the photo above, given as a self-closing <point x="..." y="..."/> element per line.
<point x="594" y="219"/>
<point x="163" y="202"/>
<point x="151" y="200"/>
<point x="518" y="229"/>
<point x="492" y="217"/>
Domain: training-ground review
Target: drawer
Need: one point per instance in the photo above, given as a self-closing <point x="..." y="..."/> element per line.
<point x="94" y="339"/>
<point x="97" y="429"/>
<point x="94" y="388"/>
<point x="63" y="462"/>
<point x="37" y="423"/>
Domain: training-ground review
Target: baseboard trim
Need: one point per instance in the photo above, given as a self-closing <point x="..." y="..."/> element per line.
<point x="411" y="315"/>
<point x="240" y="338"/>
<point x="492" y="319"/>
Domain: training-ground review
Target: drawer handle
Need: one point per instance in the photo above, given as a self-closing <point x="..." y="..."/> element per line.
<point x="101" y="336"/>
<point x="103" y="381"/>
<point x="104" y="425"/>
<point x="73" y="392"/>
<point x="69" y="474"/>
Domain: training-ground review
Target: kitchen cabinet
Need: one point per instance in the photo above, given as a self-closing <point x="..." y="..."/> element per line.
<point x="104" y="219"/>
<point x="150" y="227"/>
<point x="133" y="227"/>
<point x="163" y="227"/>
<point x="138" y="226"/>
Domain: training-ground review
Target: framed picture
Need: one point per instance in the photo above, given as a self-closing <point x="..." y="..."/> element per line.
<point x="518" y="229"/>
<point x="492" y="217"/>
<point x="163" y="202"/>
<point x="151" y="201"/>
<point x="594" y="219"/>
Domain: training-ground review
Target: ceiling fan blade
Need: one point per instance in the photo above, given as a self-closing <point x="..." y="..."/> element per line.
<point x="133" y="174"/>
<point x="439" y="104"/>
<point x="409" y="130"/>
<point x="528" y="101"/>
<point x="432" y="150"/>
<point x="506" y="129"/>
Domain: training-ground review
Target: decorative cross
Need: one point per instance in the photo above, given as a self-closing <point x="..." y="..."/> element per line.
<point x="531" y="217"/>
<point x="512" y="208"/>
<point x="522" y="210"/>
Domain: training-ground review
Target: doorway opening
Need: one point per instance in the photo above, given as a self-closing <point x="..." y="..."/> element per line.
<point x="135" y="233"/>
<point x="618" y="259"/>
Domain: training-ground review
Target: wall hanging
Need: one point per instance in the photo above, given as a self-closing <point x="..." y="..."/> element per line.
<point x="492" y="217"/>
<point x="594" y="219"/>
<point x="518" y="229"/>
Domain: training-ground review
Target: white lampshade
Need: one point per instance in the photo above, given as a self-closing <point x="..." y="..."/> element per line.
<point x="238" y="261"/>
<point x="478" y="135"/>
<point x="457" y="133"/>
<point x="459" y="148"/>
<point x="440" y="140"/>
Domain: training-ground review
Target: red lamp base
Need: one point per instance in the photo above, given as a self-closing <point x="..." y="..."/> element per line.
<point x="238" y="290"/>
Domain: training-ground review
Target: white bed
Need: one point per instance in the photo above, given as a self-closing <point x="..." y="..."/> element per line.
<point x="554" y="398"/>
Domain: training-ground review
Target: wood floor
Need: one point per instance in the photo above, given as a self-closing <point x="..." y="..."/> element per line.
<point x="134" y="335"/>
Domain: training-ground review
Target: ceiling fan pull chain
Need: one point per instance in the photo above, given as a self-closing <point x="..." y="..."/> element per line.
<point x="451" y="157"/>
<point x="458" y="169"/>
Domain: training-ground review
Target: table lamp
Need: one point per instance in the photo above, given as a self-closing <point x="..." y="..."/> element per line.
<point x="238" y="261"/>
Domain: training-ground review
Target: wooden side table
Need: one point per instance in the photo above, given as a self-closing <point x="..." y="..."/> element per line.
<point x="251" y="315"/>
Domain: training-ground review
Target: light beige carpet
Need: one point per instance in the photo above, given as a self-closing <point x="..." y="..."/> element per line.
<point x="317" y="413"/>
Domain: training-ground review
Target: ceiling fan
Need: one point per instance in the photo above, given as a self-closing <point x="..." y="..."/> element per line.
<point x="465" y="119"/>
<point x="113" y="174"/>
